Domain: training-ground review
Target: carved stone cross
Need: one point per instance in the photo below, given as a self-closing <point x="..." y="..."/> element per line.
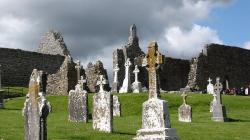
<point x="102" y="81"/>
<point x="78" y="68"/>
<point x="217" y="89"/>
<point x="184" y="95"/>
<point x="209" y="80"/>
<point x="152" y="61"/>
<point x="136" y="71"/>
<point x="116" y="69"/>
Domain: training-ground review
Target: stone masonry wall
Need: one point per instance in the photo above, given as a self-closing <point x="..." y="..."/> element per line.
<point x="17" y="65"/>
<point x="227" y="62"/>
<point x="174" y="74"/>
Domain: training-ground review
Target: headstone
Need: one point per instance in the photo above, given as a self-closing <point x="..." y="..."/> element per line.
<point x="36" y="108"/>
<point x="185" y="110"/>
<point x="103" y="108"/>
<point x="126" y="85"/>
<point x="210" y="87"/>
<point x="136" y="86"/>
<point x="0" y="76"/>
<point x="115" y="85"/>
<point x="155" y="116"/>
<point x="116" y="106"/>
<point x="219" y="111"/>
<point x="78" y="103"/>
<point x="78" y="69"/>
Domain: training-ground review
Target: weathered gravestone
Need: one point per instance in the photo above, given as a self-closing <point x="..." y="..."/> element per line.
<point x="36" y="108"/>
<point x="103" y="108"/>
<point x="185" y="110"/>
<point x="136" y="86"/>
<point x="219" y="111"/>
<point x="116" y="106"/>
<point x="126" y="85"/>
<point x="115" y="85"/>
<point x="210" y="87"/>
<point x="78" y="103"/>
<point x="155" y="116"/>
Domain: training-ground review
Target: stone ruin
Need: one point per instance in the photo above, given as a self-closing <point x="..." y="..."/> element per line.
<point x="92" y="75"/>
<point x="36" y="108"/>
<point x="102" y="108"/>
<point x="155" y="115"/>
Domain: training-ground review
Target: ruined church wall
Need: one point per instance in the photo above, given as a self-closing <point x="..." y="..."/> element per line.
<point x="228" y="63"/>
<point x="174" y="74"/>
<point x="17" y="65"/>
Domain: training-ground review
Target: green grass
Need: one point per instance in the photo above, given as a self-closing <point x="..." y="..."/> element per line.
<point x="202" y="128"/>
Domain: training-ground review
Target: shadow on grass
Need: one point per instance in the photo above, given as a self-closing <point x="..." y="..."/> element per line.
<point x="12" y="109"/>
<point x="236" y="120"/>
<point x="90" y="116"/>
<point x="123" y="133"/>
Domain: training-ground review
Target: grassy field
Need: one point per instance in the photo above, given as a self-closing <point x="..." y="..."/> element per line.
<point x="202" y="128"/>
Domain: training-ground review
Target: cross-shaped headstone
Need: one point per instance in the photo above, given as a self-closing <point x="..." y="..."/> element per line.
<point x="136" y="71"/>
<point x="116" y="69"/>
<point x="209" y="80"/>
<point x="102" y="81"/>
<point x="217" y="90"/>
<point x="152" y="61"/>
<point x="78" y="68"/>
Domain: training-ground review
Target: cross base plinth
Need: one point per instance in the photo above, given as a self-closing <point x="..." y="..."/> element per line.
<point x="156" y="134"/>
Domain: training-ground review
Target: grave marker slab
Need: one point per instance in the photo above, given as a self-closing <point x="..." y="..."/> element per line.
<point x="115" y="85"/>
<point x="116" y="106"/>
<point x="78" y="103"/>
<point x="185" y="110"/>
<point x="102" y="108"/>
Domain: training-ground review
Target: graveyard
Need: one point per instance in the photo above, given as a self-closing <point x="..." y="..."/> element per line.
<point x="82" y="70"/>
<point x="202" y="127"/>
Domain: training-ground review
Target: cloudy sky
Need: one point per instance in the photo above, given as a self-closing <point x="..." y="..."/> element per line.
<point x="92" y="29"/>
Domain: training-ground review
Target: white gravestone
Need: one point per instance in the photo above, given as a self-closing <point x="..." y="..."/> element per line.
<point x="126" y="85"/>
<point x="78" y="69"/>
<point x="136" y="86"/>
<point x="155" y="115"/>
<point x="102" y="108"/>
<point x="115" y="85"/>
<point x="210" y="87"/>
<point x="78" y="103"/>
<point x="116" y="106"/>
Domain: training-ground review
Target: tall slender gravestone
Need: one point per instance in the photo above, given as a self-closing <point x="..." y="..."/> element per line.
<point x="115" y="85"/>
<point x="36" y="108"/>
<point x="155" y="116"/>
<point x="219" y="111"/>
<point x="185" y="110"/>
<point x="1" y="92"/>
<point x="103" y="108"/>
<point x="78" y="69"/>
<point x="78" y="103"/>
<point x="126" y="85"/>
<point x="136" y="86"/>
